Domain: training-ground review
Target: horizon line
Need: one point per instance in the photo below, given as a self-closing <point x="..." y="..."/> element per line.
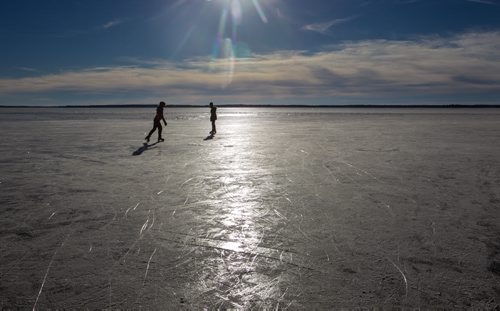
<point x="269" y="106"/>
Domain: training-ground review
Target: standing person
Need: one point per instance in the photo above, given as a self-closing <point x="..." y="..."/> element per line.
<point x="213" y="117"/>
<point x="157" y="122"/>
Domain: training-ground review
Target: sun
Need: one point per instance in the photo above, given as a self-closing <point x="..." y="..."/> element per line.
<point x="237" y="7"/>
<point x="224" y="52"/>
<point x="228" y="47"/>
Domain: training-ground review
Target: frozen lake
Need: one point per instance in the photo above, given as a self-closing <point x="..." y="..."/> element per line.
<point x="282" y="209"/>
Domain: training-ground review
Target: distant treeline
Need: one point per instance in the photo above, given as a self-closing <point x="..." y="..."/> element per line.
<point x="264" y="106"/>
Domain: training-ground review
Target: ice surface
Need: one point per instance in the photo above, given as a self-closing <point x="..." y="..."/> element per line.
<point x="282" y="209"/>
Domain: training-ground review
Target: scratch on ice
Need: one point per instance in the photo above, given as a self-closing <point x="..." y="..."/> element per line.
<point x="145" y="225"/>
<point x="134" y="208"/>
<point x="47" y="272"/>
<point x="147" y="267"/>
<point x="402" y="274"/>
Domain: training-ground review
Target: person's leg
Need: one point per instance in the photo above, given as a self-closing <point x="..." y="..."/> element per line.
<point x="213" y="128"/>
<point x="152" y="131"/>
<point x="160" y="128"/>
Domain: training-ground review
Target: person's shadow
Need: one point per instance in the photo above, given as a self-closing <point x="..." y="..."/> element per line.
<point x="143" y="148"/>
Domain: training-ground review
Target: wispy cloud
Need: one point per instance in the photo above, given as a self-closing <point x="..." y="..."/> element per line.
<point x="463" y="64"/>
<point x="407" y="1"/>
<point x="68" y="33"/>
<point x="112" y="23"/>
<point x="490" y="2"/>
<point x="325" y="26"/>
<point x="27" y="69"/>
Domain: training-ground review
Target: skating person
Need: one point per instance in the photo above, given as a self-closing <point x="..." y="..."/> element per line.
<point x="157" y="122"/>
<point x="213" y="117"/>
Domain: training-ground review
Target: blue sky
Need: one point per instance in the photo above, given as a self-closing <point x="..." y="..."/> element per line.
<point x="90" y="52"/>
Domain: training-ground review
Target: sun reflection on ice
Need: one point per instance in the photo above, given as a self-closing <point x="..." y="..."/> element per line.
<point x="234" y="270"/>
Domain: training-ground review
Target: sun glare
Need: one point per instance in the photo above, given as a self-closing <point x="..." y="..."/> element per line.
<point x="237" y="7"/>
<point x="225" y="49"/>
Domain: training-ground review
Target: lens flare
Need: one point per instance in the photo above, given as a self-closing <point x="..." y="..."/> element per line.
<point x="222" y="24"/>
<point x="227" y="46"/>
<point x="229" y="62"/>
<point x="236" y="11"/>
<point x="257" y="6"/>
<point x="184" y="40"/>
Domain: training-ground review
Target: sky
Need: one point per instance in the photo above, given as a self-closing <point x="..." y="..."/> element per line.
<point x="314" y="52"/>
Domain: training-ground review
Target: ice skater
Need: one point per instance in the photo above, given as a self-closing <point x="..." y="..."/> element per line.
<point x="213" y="117"/>
<point x="157" y="122"/>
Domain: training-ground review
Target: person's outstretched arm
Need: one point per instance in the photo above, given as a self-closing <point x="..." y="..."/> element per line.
<point x="164" y="122"/>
